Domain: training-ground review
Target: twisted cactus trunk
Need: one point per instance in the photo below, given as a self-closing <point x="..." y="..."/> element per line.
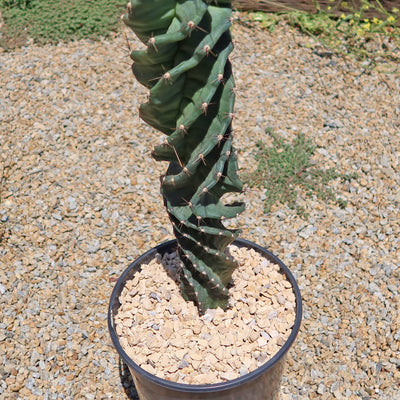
<point x="186" y="68"/>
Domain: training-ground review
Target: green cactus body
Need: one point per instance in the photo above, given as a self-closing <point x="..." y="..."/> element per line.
<point x="186" y="68"/>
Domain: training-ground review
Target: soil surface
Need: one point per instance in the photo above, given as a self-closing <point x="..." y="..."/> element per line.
<point x="165" y="335"/>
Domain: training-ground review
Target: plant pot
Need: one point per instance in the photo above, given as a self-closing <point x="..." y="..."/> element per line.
<point x="260" y="384"/>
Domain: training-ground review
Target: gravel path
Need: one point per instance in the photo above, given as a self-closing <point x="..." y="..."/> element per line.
<point x="79" y="201"/>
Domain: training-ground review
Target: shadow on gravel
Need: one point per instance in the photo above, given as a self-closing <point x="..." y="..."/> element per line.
<point x="127" y="382"/>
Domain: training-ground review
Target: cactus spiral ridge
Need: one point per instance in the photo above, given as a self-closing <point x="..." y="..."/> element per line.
<point x="185" y="66"/>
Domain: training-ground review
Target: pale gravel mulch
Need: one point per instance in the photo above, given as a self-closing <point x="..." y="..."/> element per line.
<point x="80" y="200"/>
<point x="165" y="336"/>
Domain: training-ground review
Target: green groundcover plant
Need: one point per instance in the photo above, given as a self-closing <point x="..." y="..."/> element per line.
<point x="186" y="68"/>
<point x="50" y="21"/>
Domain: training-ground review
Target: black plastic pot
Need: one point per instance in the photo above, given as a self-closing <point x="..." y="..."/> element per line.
<point x="260" y="384"/>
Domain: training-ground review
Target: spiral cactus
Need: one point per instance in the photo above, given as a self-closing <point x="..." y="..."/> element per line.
<point x="186" y="68"/>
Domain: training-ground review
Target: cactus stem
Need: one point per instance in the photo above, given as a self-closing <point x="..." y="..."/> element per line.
<point x="190" y="70"/>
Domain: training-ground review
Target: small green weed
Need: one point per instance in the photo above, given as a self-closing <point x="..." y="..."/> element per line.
<point x="286" y="171"/>
<point x="53" y="20"/>
<point x="350" y="33"/>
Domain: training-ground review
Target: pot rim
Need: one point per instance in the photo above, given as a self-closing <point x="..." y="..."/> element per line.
<point x="213" y="386"/>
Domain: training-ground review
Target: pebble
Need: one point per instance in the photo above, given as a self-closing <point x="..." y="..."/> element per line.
<point x="92" y="147"/>
<point x="333" y="124"/>
<point x="2" y="289"/>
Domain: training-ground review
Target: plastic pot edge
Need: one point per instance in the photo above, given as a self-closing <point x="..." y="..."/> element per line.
<point x="163" y="248"/>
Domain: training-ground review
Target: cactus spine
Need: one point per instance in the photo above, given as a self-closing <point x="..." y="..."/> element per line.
<point x="187" y="70"/>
